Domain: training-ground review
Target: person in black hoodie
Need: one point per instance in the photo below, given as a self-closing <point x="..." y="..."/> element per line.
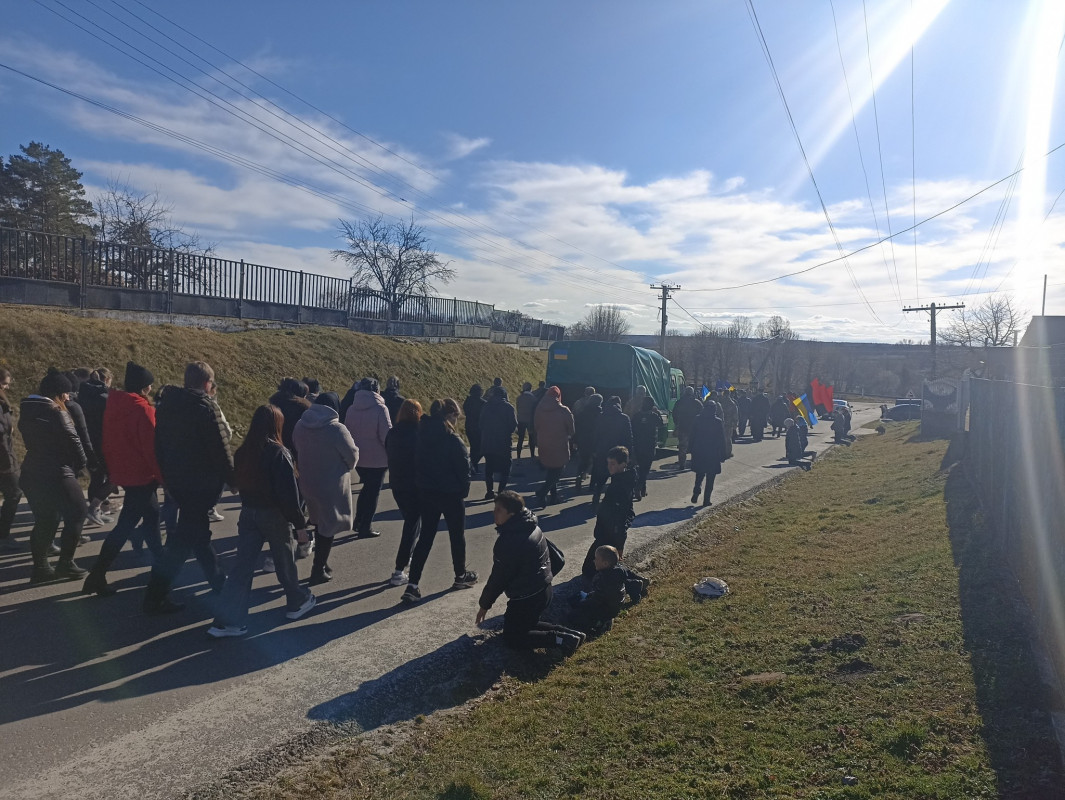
<point x="471" y="409"/>
<point x="49" y="477"/>
<point x="614" y="430"/>
<point x="289" y="398"/>
<point x="646" y="428"/>
<point x="401" y="445"/>
<point x="393" y="399"/>
<point x="192" y="447"/>
<point x="443" y="479"/>
<point x="708" y="450"/>
<point x="93" y="458"/>
<point x="270" y="506"/>
<point x="521" y="568"/>
<point x="498" y="423"/>
<point x="586" y="421"/>
<point x="8" y="465"/>
<point x="616" y="513"/>
<point x="92" y="397"/>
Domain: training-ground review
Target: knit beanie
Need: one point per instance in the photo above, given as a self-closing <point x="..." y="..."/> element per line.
<point x="54" y="384"/>
<point x="137" y="377"/>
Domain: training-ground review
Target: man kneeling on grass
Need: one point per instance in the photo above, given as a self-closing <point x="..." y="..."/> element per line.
<point x="595" y="610"/>
<point x="521" y="568"/>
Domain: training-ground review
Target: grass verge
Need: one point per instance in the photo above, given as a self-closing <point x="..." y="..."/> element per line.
<point x="845" y="650"/>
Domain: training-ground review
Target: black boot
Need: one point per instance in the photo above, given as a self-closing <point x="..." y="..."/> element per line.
<point x="68" y="569"/>
<point x="96" y="583"/>
<point x="320" y="571"/>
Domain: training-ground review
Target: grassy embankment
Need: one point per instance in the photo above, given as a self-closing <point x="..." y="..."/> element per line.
<point x="864" y="637"/>
<point x="250" y="363"/>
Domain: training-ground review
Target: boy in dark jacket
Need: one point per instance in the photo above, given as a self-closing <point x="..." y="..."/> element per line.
<point x="616" y="512"/>
<point x="595" y="610"/>
<point x="521" y="568"/>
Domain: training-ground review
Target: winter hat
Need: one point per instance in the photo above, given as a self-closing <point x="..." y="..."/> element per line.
<point x="137" y="377"/>
<point x="555" y="392"/>
<point x="54" y="384"/>
<point x="331" y="399"/>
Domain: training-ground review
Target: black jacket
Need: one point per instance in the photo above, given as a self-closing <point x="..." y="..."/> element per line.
<point x="614" y="430"/>
<point x="760" y="408"/>
<point x="778" y="412"/>
<point x="744" y="406"/>
<point x="8" y="464"/>
<point x="498" y="421"/>
<point x="586" y="426"/>
<point x="616" y="511"/>
<point x="77" y="415"/>
<point x="281" y="490"/>
<point x="472" y="407"/>
<point x="401" y="445"/>
<point x="53" y="449"/>
<point x="393" y="401"/>
<point x="521" y="565"/>
<point x="708" y="442"/>
<point x="443" y="462"/>
<point x="92" y="397"/>
<point x="608" y="591"/>
<point x="292" y="409"/>
<point x="793" y="448"/>
<point x="645" y="430"/>
<point x="191" y="445"/>
<point x="685" y="410"/>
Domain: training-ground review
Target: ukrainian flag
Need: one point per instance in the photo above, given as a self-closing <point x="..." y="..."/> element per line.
<point x="560" y="355"/>
<point x="805" y="409"/>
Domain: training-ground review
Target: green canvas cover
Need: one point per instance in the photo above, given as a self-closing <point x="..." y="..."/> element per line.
<point x="610" y="367"/>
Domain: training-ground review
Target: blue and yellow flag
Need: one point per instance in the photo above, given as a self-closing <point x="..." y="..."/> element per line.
<point x="805" y="409"/>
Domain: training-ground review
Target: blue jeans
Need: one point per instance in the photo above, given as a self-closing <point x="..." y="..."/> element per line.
<point x="255" y="527"/>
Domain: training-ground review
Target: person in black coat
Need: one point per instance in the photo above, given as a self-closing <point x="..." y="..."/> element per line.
<point x="471" y="409"/>
<point x="49" y="477"/>
<point x="401" y="445"/>
<point x="794" y="449"/>
<point x="779" y="412"/>
<point x="614" y="430"/>
<point x="646" y="428"/>
<point x="743" y="404"/>
<point x="759" y="415"/>
<point x="595" y="609"/>
<point x="442" y="473"/>
<point x="9" y="473"/>
<point x="685" y="410"/>
<point x="615" y="514"/>
<point x="393" y="399"/>
<point x="498" y="423"/>
<point x="289" y="397"/>
<point x="708" y="451"/>
<point x="586" y="423"/>
<point x="92" y="397"/>
<point x="521" y="568"/>
<point x="192" y="448"/>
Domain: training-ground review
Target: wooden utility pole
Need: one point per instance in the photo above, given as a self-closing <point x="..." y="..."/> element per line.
<point x="665" y="289"/>
<point x="932" y="307"/>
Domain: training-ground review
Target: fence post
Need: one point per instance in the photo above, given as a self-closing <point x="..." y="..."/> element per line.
<point x="299" y="307"/>
<point x="84" y="270"/>
<point x="240" y="293"/>
<point x="170" y="286"/>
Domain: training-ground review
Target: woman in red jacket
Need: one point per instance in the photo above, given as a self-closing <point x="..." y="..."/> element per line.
<point x="129" y="451"/>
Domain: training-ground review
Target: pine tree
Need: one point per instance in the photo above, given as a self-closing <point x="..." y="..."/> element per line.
<point x="41" y="191"/>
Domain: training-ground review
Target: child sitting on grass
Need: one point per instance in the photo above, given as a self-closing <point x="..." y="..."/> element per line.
<point x="595" y="610"/>
<point x="616" y="512"/>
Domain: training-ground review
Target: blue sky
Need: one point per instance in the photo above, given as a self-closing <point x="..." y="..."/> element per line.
<point x="568" y="154"/>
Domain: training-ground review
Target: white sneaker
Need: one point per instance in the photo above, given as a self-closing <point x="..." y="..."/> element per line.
<point x="308" y="604"/>
<point x="94" y="520"/>
<point x="399" y="577"/>
<point x="214" y="516"/>
<point x="304" y="550"/>
<point x="224" y="631"/>
<point x="268" y="564"/>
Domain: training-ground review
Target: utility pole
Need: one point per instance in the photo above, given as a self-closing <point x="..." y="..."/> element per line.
<point x="665" y="289"/>
<point x="932" y="307"/>
<point x="1044" y="311"/>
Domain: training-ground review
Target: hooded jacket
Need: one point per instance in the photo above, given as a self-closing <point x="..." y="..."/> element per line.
<point x="554" y="429"/>
<point x="292" y="408"/>
<point x="443" y="462"/>
<point x="685" y="410"/>
<point x="192" y="445"/>
<point x="281" y="491"/>
<point x="327" y="456"/>
<point x="472" y="407"/>
<point x="614" y="430"/>
<point x="645" y="430"/>
<point x="92" y="397"/>
<point x="401" y="445"/>
<point x="129" y="439"/>
<point x="708" y="442"/>
<point x="498" y="421"/>
<point x="526" y="405"/>
<point x="393" y="401"/>
<point x="521" y="565"/>
<point x="586" y="423"/>
<point x="8" y="464"/>
<point x="369" y="422"/>
<point x="77" y="416"/>
<point x="53" y="449"/>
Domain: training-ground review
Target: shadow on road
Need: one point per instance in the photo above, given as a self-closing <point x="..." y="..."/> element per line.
<point x="1014" y="703"/>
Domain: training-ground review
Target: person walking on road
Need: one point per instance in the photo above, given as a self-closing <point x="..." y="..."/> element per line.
<point x="393" y="399"/>
<point x="614" y="430"/>
<point x="743" y="406"/>
<point x="291" y="401"/>
<point x="730" y="420"/>
<point x="586" y="422"/>
<point x="369" y="422"/>
<point x="443" y="478"/>
<point x="129" y="450"/>
<point x="401" y="444"/>
<point x="49" y="477"/>
<point x="759" y="415"/>
<point x="9" y="472"/>
<point x="526" y="407"/>
<point x="554" y="429"/>
<point x="92" y="397"/>
<point x="635" y="404"/>
<point x="685" y="410"/>
<point x="471" y="409"/>
<point x="328" y="455"/>
<point x="708" y="451"/>
<point x="521" y="568"/>
<point x="646" y="429"/>
<point x="271" y="506"/>
<point x="777" y="414"/>
<point x="498" y="423"/>
<point x="192" y="448"/>
<point x="582" y="401"/>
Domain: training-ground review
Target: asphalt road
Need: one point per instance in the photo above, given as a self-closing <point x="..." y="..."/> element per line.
<point x="99" y="701"/>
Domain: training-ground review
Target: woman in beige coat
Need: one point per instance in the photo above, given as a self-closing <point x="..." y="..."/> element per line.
<point x="327" y="456"/>
<point x="554" y="429"/>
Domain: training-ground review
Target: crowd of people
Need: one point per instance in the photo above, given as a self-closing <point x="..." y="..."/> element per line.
<point x="293" y="469"/>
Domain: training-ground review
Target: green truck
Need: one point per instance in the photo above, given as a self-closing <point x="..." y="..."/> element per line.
<point x="612" y="368"/>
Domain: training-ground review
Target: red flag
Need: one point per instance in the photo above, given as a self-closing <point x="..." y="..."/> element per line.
<point x="815" y="392"/>
<point x="826" y="393"/>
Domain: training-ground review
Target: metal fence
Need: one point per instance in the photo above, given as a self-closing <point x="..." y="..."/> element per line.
<point x="1015" y="456"/>
<point x="49" y="269"/>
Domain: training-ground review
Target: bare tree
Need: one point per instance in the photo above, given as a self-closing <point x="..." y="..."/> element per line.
<point x="601" y="324"/>
<point x="993" y="323"/>
<point x="154" y="245"/>
<point x="392" y="261"/>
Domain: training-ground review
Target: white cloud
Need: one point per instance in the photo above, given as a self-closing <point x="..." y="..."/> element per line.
<point x="462" y="146"/>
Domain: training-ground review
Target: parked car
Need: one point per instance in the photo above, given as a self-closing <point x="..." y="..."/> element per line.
<point x="836" y="404"/>
<point x="902" y="412"/>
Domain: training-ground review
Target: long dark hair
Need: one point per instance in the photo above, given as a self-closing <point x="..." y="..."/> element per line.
<point x="443" y="409"/>
<point x="265" y="427"/>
